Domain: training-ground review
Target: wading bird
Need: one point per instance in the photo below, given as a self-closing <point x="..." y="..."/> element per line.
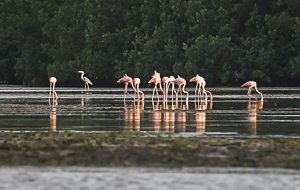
<point x="127" y="79"/>
<point x="201" y="82"/>
<point x="52" y="81"/>
<point x="136" y="83"/>
<point x="85" y="80"/>
<point x="156" y="80"/>
<point x="181" y="82"/>
<point x="251" y="84"/>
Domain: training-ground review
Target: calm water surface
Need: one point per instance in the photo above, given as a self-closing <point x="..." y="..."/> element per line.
<point x="104" y="109"/>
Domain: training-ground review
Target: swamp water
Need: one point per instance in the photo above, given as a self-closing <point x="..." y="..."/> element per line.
<point x="231" y="113"/>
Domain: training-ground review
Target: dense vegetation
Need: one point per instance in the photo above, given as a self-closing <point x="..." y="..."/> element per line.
<point x="226" y="41"/>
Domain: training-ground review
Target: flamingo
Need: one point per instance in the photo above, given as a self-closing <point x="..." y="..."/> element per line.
<point x="52" y="81"/>
<point x="156" y="80"/>
<point x="166" y="81"/>
<point x="181" y="82"/>
<point x="136" y="82"/>
<point x="199" y="81"/>
<point x="127" y="79"/>
<point x="85" y="80"/>
<point x="251" y="84"/>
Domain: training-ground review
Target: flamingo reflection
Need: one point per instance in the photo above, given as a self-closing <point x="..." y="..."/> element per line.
<point x="155" y="116"/>
<point x="252" y="114"/>
<point x="53" y="111"/>
<point x="132" y="115"/>
<point x="181" y="120"/>
<point x="162" y="121"/>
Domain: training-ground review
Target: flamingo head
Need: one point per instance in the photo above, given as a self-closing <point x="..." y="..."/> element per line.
<point x="120" y="80"/>
<point x="151" y="80"/>
<point x="194" y="79"/>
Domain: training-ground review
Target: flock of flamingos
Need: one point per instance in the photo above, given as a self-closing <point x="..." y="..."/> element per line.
<point x="156" y="79"/>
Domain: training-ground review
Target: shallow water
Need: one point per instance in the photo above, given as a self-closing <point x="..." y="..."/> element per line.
<point x="104" y="109"/>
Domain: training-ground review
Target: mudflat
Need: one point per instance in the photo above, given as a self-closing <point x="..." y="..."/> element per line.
<point x="145" y="149"/>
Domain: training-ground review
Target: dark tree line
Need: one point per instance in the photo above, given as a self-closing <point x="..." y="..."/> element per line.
<point x="227" y="42"/>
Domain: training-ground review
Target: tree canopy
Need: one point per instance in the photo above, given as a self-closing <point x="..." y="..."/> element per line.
<point x="227" y="42"/>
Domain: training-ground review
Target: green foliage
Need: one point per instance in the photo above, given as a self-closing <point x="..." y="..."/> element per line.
<point x="225" y="41"/>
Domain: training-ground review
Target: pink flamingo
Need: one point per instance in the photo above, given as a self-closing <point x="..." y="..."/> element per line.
<point x="52" y="81"/>
<point x="127" y="79"/>
<point x="199" y="81"/>
<point x="136" y="82"/>
<point x="181" y="82"/>
<point x="156" y="80"/>
<point x="251" y="84"/>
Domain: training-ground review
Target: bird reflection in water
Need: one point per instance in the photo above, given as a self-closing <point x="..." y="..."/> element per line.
<point x="156" y="116"/>
<point x="252" y="114"/>
<point x="165" y="121"/>
<point x="53" y="111"/>
<point x="181" y="120"/>
<point x="200" y="117"/>
<point x="133" y="114"/>
<point x="84" y="101"/>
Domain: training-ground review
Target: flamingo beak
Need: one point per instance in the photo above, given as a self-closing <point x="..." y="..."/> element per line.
<point x="192" y="80"/>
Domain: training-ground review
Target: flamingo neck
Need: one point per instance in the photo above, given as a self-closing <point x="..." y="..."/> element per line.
<point x="161" y="88"/>
<point x="133" y="86"/>
<point x="211" y="98"/>
<point x="262" y="97"/>
<point x="138" y="89"/>
<point x="184" y="90"/>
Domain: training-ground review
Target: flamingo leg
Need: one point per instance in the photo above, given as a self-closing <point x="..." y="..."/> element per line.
<point x="153" y="93"/>
<point x="156" y="92"/>
<point x="186" y="92"/>
<point x="138" y="95"/>
<point x="167" y="91"/>
<point x="165" y="88"/>
<point x="50" y="93"/>
<point x="172" y="91"/>
<point x="134" y="93"/>
<point x="125" y="91"/>
<point x="196" y="89"/>
<point x="249" y="93"/>
<point x="138" y="88"/>
<point x="199" y="90"/>
<point x="54" y="92"/>
<point x="180" y="88"/>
